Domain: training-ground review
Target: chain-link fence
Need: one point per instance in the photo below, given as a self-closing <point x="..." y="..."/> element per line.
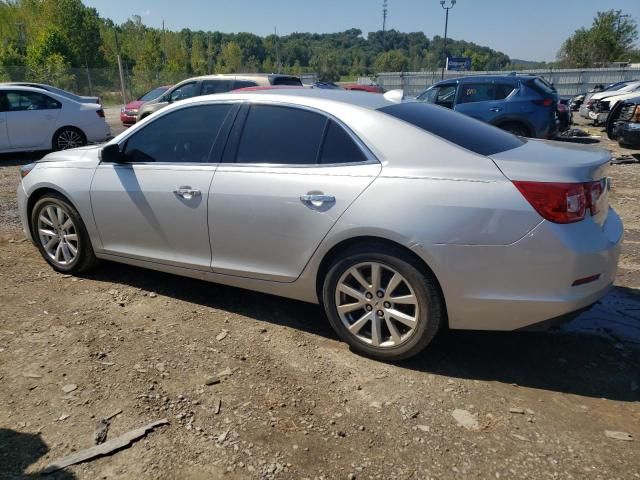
<point x="105" y="82"/>
<point x="567" y="82"/>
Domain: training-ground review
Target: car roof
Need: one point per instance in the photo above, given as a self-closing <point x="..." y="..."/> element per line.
<point x="304" y="96"/>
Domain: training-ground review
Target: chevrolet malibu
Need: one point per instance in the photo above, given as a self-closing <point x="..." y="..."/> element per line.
<point x="399" y="218"/>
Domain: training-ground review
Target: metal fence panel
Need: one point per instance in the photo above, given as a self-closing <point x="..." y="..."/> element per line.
<point x="567" y="82"/>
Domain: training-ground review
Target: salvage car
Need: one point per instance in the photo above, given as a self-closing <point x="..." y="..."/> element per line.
<point x="620" y="88"/>
<point x="210" y="84"/>
<point x="32" y="119"/>
<point x="626" y="127"/>
<point x="129" y="113"/>
<point x="525" y="105"/>
<point x="399" y="218"/>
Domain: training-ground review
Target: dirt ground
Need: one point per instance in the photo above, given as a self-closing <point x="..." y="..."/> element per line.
<point x="292" y="401"/>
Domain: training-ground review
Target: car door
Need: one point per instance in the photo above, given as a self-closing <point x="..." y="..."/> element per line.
<point x="31" y="118"/>
<point x="154" y="206"/>
<point x="4" y="136"/>
<point x="443" y="95"/>
<point x="288" y="175"/>
<point x="483" y="100"/>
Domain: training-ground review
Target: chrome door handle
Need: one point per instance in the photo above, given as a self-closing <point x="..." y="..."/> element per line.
<point x="187" y="192"/>
<point x="317" y="199"/>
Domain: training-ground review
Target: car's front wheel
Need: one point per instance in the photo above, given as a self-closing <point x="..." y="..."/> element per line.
<point x="61" y="235"/>
<point x="384" y="306"/>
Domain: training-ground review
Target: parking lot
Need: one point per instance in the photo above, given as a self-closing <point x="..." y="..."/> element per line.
<point x="258" y="386"/>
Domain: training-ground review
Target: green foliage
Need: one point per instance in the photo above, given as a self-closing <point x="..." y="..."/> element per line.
<point x="611" y="38"/>
<point x="391" y="61"/>
<point x="230" y="59"/>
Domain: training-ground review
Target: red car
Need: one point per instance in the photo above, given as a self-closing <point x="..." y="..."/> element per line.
<point x="363" y="88"/>
<point x="129" y="112"/>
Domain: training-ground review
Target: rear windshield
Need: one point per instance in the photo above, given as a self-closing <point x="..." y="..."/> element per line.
<point x="457" y="128"/>
<point x="542" y="86"/>
<point x="291" y="81"/>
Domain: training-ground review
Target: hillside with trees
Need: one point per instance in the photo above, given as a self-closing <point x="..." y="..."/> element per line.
<point x="63" y="42"/>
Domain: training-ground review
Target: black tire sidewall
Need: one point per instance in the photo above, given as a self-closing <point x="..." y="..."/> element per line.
<point x="85" y="252"/>
<point x="67" y="129"/>
<point x="429" y="305"/>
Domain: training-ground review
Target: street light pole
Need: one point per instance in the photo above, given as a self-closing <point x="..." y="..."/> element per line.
<point x="446" y="27"/>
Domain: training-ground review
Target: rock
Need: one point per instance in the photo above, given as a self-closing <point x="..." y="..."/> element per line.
<point x="517" y="410"/>
<point x="153" y="295"/>
<point x="31" y="375"/>
<point x="222" y="335"/>
<point x="100" y="433"/>
<point x="520" y="437"/>
<point x="63" y="417"/>
<point x="69" y="388"/>
<point x="226" y="372"/>
<point x="424" y="428"/>
<point x="376" y="404"/>
<point x="212" y="381"/>
<point x="216" y="406"/>
<point x="465" y="419"/>
<point x="624" y="436"/>
<point x="223" y="436"/>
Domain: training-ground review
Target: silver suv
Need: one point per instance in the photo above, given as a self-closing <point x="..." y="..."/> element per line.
<point x="208" y="84"/>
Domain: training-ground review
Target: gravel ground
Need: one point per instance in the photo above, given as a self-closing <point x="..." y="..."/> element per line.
<point x="256" y="386"/>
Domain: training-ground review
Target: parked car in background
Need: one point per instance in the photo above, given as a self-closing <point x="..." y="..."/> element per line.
<point x="32" y="119"/>
<point x="209" y="84"/>
<point x="626" y="126"/>
<point x="586" y="109"/>
<point x="399" y="218"/>
<point x="57" y="91"/>
<point x="327" y="85"/>
<point x="129" y="113"/>
<point x="564" y="114"/>
<point x="363" y="88"/>
<point x="576" y="101"/>
<point x="525" y="105"/>
<point x="602" y="107"/>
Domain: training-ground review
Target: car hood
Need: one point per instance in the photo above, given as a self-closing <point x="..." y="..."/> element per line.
<point x="625" y="96"/>
<point x="82" y="157"/>
<point x="134" y="105"/>
<point x="551" y="161"/>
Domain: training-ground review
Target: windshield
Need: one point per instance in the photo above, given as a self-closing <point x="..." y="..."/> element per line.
<point x="153" y="94"/>
<point x="457" y="128"/>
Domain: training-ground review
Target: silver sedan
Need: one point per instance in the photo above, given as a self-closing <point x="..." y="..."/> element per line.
<point x="399" y="218"/>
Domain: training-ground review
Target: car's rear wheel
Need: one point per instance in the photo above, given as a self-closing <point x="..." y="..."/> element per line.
<point x="68" y="137"/>
<point x="516" y="128"/>
<point x="382" y="305"/>
<point x="61" y="235"/>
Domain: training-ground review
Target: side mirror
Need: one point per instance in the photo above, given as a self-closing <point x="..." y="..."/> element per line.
<point x="112" y="154"/>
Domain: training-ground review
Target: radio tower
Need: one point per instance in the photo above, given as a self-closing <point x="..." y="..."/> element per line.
<point x="384" y="24"/>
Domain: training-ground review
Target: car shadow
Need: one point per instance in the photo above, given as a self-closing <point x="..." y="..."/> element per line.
<point x="18" y="450"/>
<point x="580" y="364"/>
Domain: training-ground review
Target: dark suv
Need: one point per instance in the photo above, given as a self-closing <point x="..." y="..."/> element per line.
<point x="525" y="105"/>
<point x="209" y="84"/>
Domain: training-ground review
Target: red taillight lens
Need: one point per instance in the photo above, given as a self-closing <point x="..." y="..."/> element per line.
<point x="556" y="202"/>
<point x="545" y="102"/>
<point x="100" y="113"/>
<point x="594" y="192"/>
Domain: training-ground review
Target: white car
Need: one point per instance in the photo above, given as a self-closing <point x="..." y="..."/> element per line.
<point x="586" y="109"/>
<point x="51" y="88"/>
<point x="31" y="119"/>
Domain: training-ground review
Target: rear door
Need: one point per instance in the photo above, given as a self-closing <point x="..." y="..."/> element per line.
<point x="288" y="175"/>
<point x="216" y="85"/>
<point x="483" y="100"/>
<point x="31" y="118"/>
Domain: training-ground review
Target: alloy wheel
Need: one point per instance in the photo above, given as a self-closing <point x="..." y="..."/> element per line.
<point x="69" y="139"/>
<point x="377" y="305"/>
<point x="58" y="234"/>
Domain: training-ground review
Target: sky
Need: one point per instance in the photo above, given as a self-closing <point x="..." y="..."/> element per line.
<point x="523" y="29"/>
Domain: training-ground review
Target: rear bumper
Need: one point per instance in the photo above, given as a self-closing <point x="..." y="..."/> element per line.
<point x="519" y="285"/>
<point x="628" y="134"/>
<point x="97" y="132"/>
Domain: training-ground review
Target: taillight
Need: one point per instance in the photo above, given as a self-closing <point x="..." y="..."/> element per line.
<point x="594" y="192"/>
<point x="545" y="102"/>
<point x="100" y="113"/>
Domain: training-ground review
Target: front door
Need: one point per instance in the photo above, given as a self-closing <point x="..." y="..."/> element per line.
<point x="289" y="177"/>
<point x="483" y="101"/>
<point x="154" y="206"/>
<point x="31" y="119"/>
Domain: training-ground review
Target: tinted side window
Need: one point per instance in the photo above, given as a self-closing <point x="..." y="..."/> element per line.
<point x="216" y="86"/>
<point x="280" y="135"/>
<point x="187" y="90"/>
<point x="339" y="147"/>
<point x="441" y="95"/>
<point x="20" y="101"/>
<point x="476" y="92"/>
<point x="290" y="81"/>
<point x="186" y="135"/>
<point x="455" y="127"/>
<point x="244" y="84"/>
<point x="502" y="91"/>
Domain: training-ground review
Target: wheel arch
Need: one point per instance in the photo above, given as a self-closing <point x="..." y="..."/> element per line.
<point x="340" y="248"/>
<point x="73" y="127"/>
<point x="37" y="194"/>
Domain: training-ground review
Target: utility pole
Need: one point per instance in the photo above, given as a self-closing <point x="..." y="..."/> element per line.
<point x="384" y="24"/>
<point x="446" y="26"/>
<point x="122" y="89"/>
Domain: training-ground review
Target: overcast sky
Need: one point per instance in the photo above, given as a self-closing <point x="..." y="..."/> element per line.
<point x="524" y="29"/>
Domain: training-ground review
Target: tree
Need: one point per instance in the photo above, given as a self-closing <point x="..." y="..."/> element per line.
<point x="230" y="60"/>
<point x="611" y="38"/>
<point x="391" y="61"/>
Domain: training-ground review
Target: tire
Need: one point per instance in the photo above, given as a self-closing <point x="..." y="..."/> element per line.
<point x="515" y="128"/>
<point x="68" y="137"/>
<point x="45" y="217"/>
<point x="427" y="310"/>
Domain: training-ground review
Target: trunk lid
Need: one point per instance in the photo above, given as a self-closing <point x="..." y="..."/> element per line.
<point x="557" y="162"/>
